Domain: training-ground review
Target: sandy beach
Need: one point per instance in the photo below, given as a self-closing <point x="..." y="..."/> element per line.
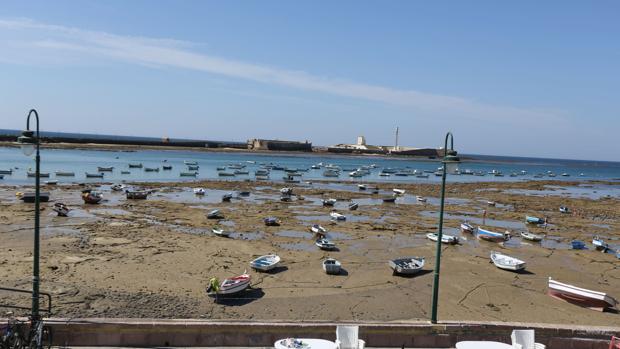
<point x="152" y="258"/>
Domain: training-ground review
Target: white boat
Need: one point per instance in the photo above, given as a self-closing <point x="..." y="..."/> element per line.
<point x="505" y="262"/>
<point x="399" y="191"/>
<point x="325" y="244"/>
<point x="61" y="209"/>
<point x="361" y="186"/>
<point x="580" y="296"/>
<point x="407" y="265"/>
<point x="199" y="191"/>
<point x="331" y="266"/>
<point x="318" y="229"/>
<point x="220" y="232"/>
<point x="564" y="209"/>
<point x="214" y="214"/>
<point x="328" y="202"/>
<point x="445" y="239"/>
<point x="466" y="227"/>
<point x="420" y="198"/>
<point x="531" y="236"/>
<point x="229" y="286"/>
<point x="337" y="216"/>
<point x="265" y="263"/>
<point x="52" y="182"/>
<point x="599" y="244"/>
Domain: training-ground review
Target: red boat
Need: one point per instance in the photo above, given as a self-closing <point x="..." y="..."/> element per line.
<point x="581" y="296"/>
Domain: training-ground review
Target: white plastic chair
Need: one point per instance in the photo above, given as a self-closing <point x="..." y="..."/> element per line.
<point x="524" y="339"/>
<point x="347" y="338"/>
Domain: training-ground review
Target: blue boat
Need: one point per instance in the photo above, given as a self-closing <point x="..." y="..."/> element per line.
<point x="578" y="245"/>
<point x="491" y="235"/>
<point x="534" y="220"/>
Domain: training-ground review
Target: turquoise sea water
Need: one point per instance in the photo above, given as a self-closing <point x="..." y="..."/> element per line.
<point x="82" y="161"/>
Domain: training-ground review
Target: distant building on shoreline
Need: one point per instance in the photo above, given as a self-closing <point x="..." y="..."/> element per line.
<point x="278" y="145"/>
<point x="360" y="147"/>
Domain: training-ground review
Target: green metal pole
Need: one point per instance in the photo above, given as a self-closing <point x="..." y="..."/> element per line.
<point x="439" y="236"/>
<point x="35" y="267"/>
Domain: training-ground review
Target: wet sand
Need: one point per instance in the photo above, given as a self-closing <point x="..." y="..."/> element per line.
<point x="153" y="258"/>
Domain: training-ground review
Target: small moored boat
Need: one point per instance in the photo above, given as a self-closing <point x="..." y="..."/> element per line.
<point x="407" y="265"/>
<point x="467" y="228"/>
<point x="105" y="169"/>
<point x="328" y="202"/>
<point x="354" y="206"/>
<point x="227" y="197"/>
<point x="399" y="191"/>
<point x="337" y="216"/>
<point x="505" y="262"/>
<point x="564" y="209"/>
<point x="200" y="191"/>
<point x="137" y="194"/>
<point x="361" y="186"/>
<point x="135" y="165"/>
<point x="265" y="263"/>
<point x="117" y="187"/>
<point x="64" y="174"/>
<point x="491" y="235"/>
<point x="389" y="199"/>
<point x="318" y="229"/>
<point x="188" y="174"/>
<point x="167" y="167"/>
<point x="578" y="245"/>
<point x="94" y="175"/>
<point x="599" y="244"/>
<point x="580" y="296"/>
<point x="229" y="286"/>
<point x="91" y="197"/>
<point x="151" y="169"/>
<point x="41" y="174"/>
<point x="445" y="239"/>
<point x="61" y="209"/>
<point x="531" y="236"/>
<point x="325" y="244"/>
<point x="331" y="266"/>
<point x="52" y="182"/>
<point x="271" y="221"/>
<point x="220" y="232"/>
<point x="420" y="198"/>
<point x="30" y="197"/>
<point x="215" y="214"/>
<point x="534" y="220"/>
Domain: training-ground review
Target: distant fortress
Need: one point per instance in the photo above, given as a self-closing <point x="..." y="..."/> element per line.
<point x="256" y="144"/>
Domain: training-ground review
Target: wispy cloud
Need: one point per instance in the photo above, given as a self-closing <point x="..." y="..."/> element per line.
<point x="174" y="53"/>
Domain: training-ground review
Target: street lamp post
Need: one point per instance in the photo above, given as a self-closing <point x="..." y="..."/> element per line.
<point x="450" y="163"/>
<point x="29" y="141"/>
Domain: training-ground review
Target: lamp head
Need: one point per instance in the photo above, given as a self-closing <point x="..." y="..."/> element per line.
<point x="451" y="161"/>
<point x="27" y="142"/>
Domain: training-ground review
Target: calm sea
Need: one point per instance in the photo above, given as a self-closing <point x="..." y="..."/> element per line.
<point x="82" y="161"/>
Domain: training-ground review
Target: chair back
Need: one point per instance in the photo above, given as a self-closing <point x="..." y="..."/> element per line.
<point x="347" y="336"/>
<point x="523" y="337"/>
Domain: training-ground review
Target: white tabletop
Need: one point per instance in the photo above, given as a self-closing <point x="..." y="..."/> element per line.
<point x="482" y="345"/>
<point x="306" y="343"/>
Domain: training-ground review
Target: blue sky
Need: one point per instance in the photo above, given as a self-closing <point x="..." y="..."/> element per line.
<point x="525" y="78"/>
